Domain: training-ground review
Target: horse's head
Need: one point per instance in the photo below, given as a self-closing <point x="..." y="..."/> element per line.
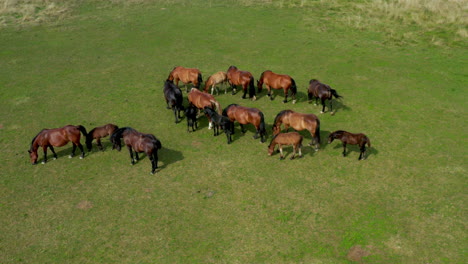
<point x="259" y="85"/>
<point x="115" y="140"/>
<point x="331" y="137"/>
<point x="33" y="155"/>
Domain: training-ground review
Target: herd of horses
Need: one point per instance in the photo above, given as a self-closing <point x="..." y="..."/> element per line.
<point x="219" y="119"/>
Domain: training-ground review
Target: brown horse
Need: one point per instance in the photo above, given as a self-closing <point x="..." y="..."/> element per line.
<point x="138" y="142"/>
<point x="299" y="122"/>
<point x="243" y="78"/>
<point x="246" y="115"/>
<point x="217" y="78"/>
<point x="201" y="99"/>
<point x="278" y="81"/>
<point x="323" y="92"/>
<point x="291" y="138"/>
<point x="186" y="75"/>
<point x="98" y="133"/>
<point x="56" y="137"/>
<point x="353" y="139"/>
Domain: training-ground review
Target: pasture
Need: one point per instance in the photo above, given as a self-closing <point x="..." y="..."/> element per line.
<point x="211" y="202"/>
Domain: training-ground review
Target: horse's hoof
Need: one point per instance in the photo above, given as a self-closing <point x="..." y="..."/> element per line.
<point x="332" y="113"/>
<point x="254" y="98"/>
<point x="54" y="158"/>
<point x="291" y="158"/>
<point x="43" y="162"/>
<point x="322" y="112"/>
<point x="70" y="156"/>
<point x="81" y="157"/>
<point x="294" y="101"/>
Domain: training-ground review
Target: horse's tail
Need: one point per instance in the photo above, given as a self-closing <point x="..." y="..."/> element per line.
<point x="83" y="130"/>
<point x="157" y="143"/>
<point x="334" y="93"/>
<point x="199" y="79"/>
<point x="251" y="87"/>
<point x="262" y="124"/>
<point x="89" y="139"/>
<point x="368" y="141"/>
<point x="293" y="87"/>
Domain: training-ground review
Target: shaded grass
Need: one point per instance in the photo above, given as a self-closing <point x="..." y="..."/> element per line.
<point x="212" y="202"/>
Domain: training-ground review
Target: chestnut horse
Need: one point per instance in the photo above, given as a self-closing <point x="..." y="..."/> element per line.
<point x="278" y="81"/>
<point x="98" y="133"/>
<point x="201" y="99"/>
<point x="56" y="137"/>
<point x="352" y="139"/>
<point x="291" y="138"/>
<point x="174" y="98"/>
<point x="138" y="142"/>
<point x="217" y="78"/>
<point x="243" y="78"/>
<point x="246" y="115"/>
<point x="299" y="121"/>
<point x="186" y="75"/>
<point x="323" y="92"/>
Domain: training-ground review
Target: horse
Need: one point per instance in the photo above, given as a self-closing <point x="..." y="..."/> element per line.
<point x="277" y="81"/>
<point x="191" y="113"/>
<point x="217" y="78"/>
<point x="174" y="98"/>
<point x="98" y="133"/>
<point x="138" y="142"/>
<point x="220" y="121"/>
<point x="243" y="78"/>
<point x="299" y="121"/>
<point x="56" y="137"/>
<point x="246" y="115"/>
<point x="200" y="100"/>
<point x="291" y="138"/>
<point x="323" y="92"/>
<point x="186" y="75"/>
<point x="352" y="139"/>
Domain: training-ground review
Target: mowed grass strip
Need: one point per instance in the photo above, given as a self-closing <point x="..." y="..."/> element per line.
<point x="211" y="202"/>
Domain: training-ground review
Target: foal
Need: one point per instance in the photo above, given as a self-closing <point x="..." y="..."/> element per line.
<point x="98" y="133"/>
<point x="291" y="138"/>
<point x="353" y="139"/>
<point x="220" y="121"/>
<point x="191" y="113"/>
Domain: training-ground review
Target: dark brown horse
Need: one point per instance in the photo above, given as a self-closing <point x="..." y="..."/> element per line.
<point x="186" y="75"/>
<point x="278" y="81"/>
<point x="291" y="138"/>
<point x="352" y="139"/>
<point x="323" y="92"/>
<point x="174" y="98"/>
<point x="191" y="113"/>
<point x="243" y="78"/>
<point x="56" y="137"/>
<point x="138" y="142"/>
<point x="98" y="133"/>
<point x="299" y="122"/>
<point x="247" y="115"/>
<point x="200" y="100"/>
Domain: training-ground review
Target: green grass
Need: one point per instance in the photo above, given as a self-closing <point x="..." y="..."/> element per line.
<point x="216" y="203"/>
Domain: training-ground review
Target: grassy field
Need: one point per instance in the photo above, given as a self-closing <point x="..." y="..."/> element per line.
<point x="216" y="203"/>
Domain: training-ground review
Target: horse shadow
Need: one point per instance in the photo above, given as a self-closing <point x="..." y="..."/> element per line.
<point x="168" y="156"/>
<point x="106" y="145"/>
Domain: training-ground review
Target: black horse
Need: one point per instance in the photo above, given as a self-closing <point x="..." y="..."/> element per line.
<point x="191" y="113"/>
<point x="220" y="121"/>
<point x="323" y="92"/>
<point x="138" y="142"/>
<point x="353" y="139"/>
<point x="174" y="99"/>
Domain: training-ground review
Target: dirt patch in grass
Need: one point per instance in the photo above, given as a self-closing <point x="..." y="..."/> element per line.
<point x="84" y="205"/>
<point x="356" y="253"/>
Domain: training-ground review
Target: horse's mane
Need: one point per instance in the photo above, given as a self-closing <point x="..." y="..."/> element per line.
<point x="338" y="133"/>
<point x="280" y="114"/>
<point x="118" y="133"/>
<point x="32" y="142"/>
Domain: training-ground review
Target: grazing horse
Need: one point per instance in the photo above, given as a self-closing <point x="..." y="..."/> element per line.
<point x="217" y="78"/>
<point x="174" y="98"/>
<point x="191" y="113"/>
<point x="246" y="115"/>
<point x="353" y="139"/>
<point x="291" y="138"/>
<point x="138" y="142"/>
<point x="243" y="78"/>
<point x="186" y="75"/>
<point x="299" y="121"/>
<point x="323" y="92"/>
<point x="220" y="121"/>
<point x="56" y="137"/>
<point x="98" y="133"/>
<point x="278" y="81"/>
<point x="200" y="100"/>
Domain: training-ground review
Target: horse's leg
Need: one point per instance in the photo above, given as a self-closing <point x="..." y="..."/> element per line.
<point x="53" y="151"/>
<point x="344" y="149"/>
<point x="244" y="87"/>
<point x="256" y="132"/>
<point x="44" y="148"/>
<point x="242" y="128"/>
<point x="281" y="151"/>
<point x="300" y="151"/>
<point x="175" y="114"/>
<point x="154" y="161"/>
<point x="98" y="141"/>
<point x="131" y="154"/>
<point x="285" y="96"/>
<point x="362" y="155"/>
<point x="73" y="151"/>
<point x="269" y="93"/>
<point x="294" y="152"/>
